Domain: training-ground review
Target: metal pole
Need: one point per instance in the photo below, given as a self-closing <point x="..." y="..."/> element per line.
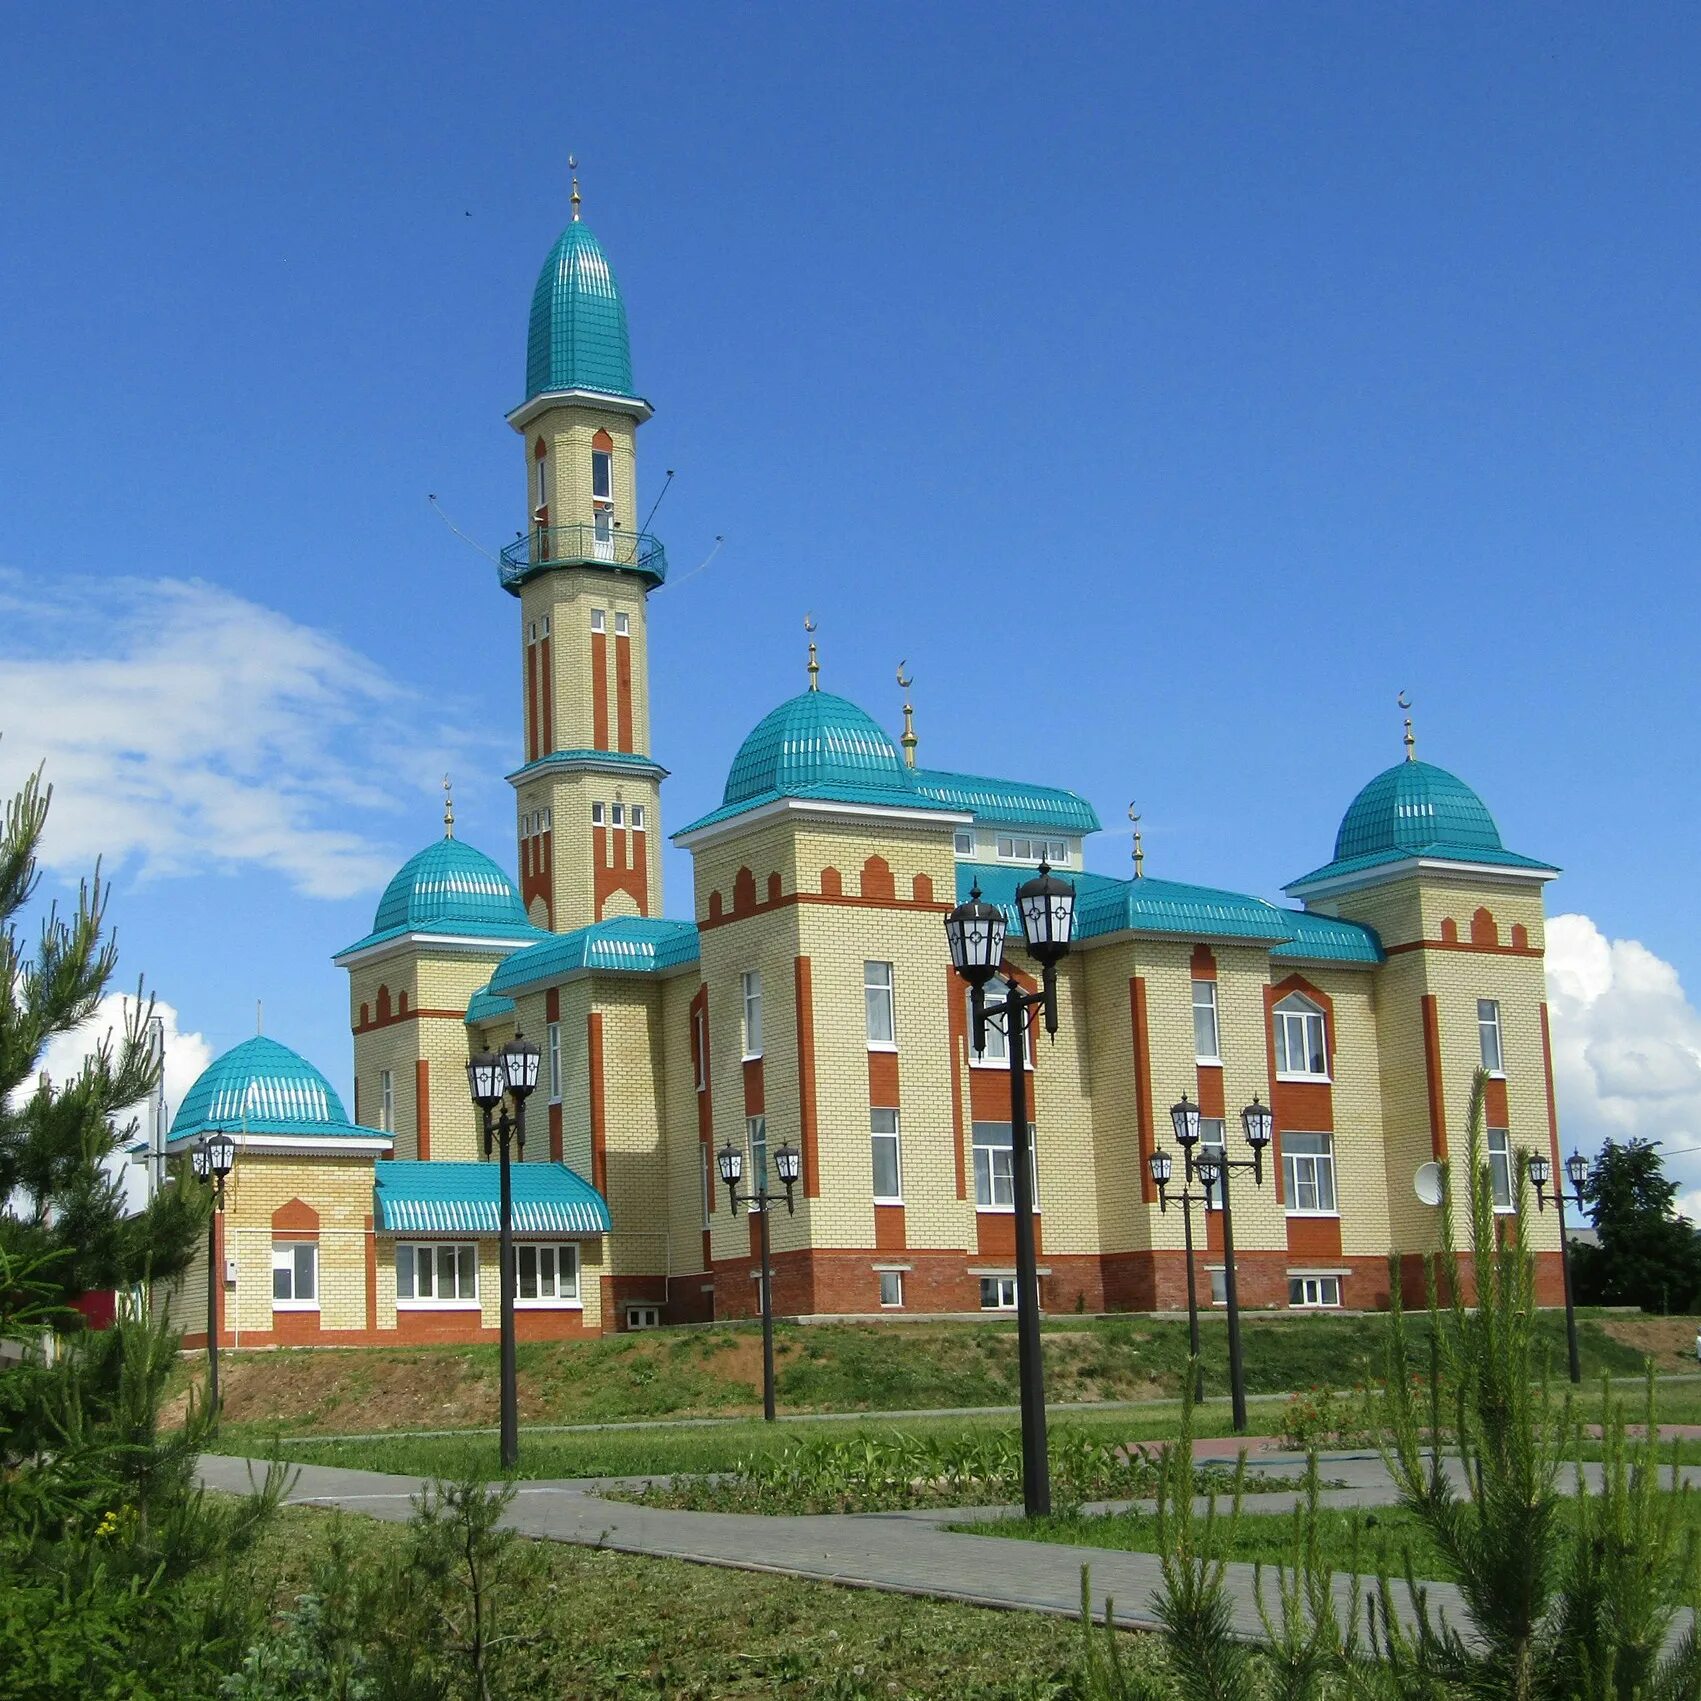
<point x="1036" y="1467"/>
<point x="1565" y="1273"/>
<point x="767" y="1308"/>
<point x="510" y="1398"/>
<point x="1192" y="1295"/>
<point x="213" y="1302"/>
<point x="1231" y="1292"/>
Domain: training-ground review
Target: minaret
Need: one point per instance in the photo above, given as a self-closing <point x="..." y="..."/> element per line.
<point x="588" y="792"/>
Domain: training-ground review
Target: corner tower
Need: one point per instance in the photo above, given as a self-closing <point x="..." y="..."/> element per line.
<point x="588" y="793"/>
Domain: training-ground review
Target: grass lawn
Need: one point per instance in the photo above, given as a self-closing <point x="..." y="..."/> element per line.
<point x="609" y="1627"/>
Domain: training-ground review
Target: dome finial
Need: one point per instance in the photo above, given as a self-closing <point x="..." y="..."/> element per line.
<point x="1405" y="702"/>
<point x="573" y="166"/>
<point x="448" y="808"/>
<point x="909" y="740"/>
<point x="1139" y="848"/>
<point x="814" y="655"/>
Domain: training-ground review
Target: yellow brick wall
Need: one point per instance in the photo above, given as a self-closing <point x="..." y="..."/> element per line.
<point x="568" y="431"/>
<point x="567" y="596"/>
<point x="681" y="1144"/>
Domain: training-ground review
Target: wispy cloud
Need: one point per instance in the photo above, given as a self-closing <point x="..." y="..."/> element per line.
<point x="190" y="729"/>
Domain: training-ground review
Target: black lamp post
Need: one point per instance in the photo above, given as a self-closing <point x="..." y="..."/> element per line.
<point x="495" y="1078"/>
<point x="213" y="1156"/>
<point x="1577" y="1168"/>
<point x="788" y="1165"/>
<point x="1184" y="1118"/>
<point x="975" y="931"/>
<point x="1214" y="1170"/>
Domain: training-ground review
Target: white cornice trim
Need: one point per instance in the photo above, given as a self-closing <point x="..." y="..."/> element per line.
<point x="280" y="1145"/>
<point x="545" y="768"/>
<point x="1385" y="871"/>
<point x="634" y="407"/>
<point x="455" y="944"/>
<point x="754" y="818"/>
<point x="542" y="982"/>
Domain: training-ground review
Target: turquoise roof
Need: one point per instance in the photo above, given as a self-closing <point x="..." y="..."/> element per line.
<point x="623" y="944"/>
<point x="451" y="888"/>
<point x="815" y="739"/>
<point x="577" y="339"/>
<point x="488" y="1006"/>
<point x="1008" y="803"/>
<point x="1324" y="939"/>
<point x="1416" y="809"/>
<point x="465" y="1198"/>
<point x="262" y="1087"/>
<point x="623" y="759"/>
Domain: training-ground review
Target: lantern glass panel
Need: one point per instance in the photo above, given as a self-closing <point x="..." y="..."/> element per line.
<point x="221" y="1152"/>
<point x="1184" y="1118"/>
<point x="731" y="1164"/>
<point x="1161" y="1168"/>
<point x="1577" y="1167"/>
<point x="1537" y="1167"/>
<point x="788" y="1163"/>
<point x="520" y="1066"/>
<point x="1258" y="1124"/>
<point x="484" y="1079"/>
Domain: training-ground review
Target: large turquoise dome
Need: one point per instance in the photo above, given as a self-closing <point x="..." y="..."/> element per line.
<point x="811" y="740"/>
<point x="577" y="339"/>
<point x="1412" y="806"/>
<point x="446" y="885"/>
<point x="262" y="1087"/>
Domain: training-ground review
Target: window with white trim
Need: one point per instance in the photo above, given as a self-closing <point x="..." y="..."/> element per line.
<point x="617" y="815"/>
<point x="877" y="1001"/>
<point x="643" y="1317"/>
<point x="751" y="982"/>
<point x="430" y="1273"/>
<point x="599" y="815"/>
<point x="998" y="1293"/>
<point x="1013" y="848"/>
<point x="602" y="475"/>
<point x="700" y="1029"/>
<point x="963" y="841"/>
<point x="1308" y="1174"/>
<point x="1300" y="1040"/>
<point x="1500" y="1167"/>
<point x="622" y="625"/>
<point x="1488" y="1035"/>
<point x="637" y="817"/>
<point x="295" y="1275"/>
<point x="387" y="1100"/>
<point x="598" y="620"/>
<point x="891" y="1289"/>
<point x="888" y="1164"/>
<point x="542" y="475"/>
<point x="546" y="1275"/>
<point x="995" y="1168"/>
<point x="1219" y="1286"/>
<point x="553" y="1032"/>
<point x="1314" y="1290"/>
<point x="1205" y="1021"/>
<point x="997" y="1053"/>
<point x="756" y="1165"/>
<point x="1212" y="1136"/>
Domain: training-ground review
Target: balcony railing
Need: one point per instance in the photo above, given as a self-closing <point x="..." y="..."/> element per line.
<point x="582" y="546"/>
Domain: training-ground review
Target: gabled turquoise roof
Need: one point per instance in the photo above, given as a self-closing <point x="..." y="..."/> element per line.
<point x="449" y="888"/>
<point x="1324" y="939"/>
<point x="465" y="1198"/>
<point x="262" y="1087"/>
<point x="1008" y="803"/>
<point x="488" y="1006"/>
<point x="577" y="339"/>
<point x="623" y="944"/>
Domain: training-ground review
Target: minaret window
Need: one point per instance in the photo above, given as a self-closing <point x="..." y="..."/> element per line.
<point x="637" y="817"/>
<point x="602" y="475"/>
<point x="622" y="625"/>
<point x="597" y="619"/>
<point x="620" y="815"/>
<point x="596" y="815"/>
<point x="603" y="530"/>
<point x="542" y="474"/>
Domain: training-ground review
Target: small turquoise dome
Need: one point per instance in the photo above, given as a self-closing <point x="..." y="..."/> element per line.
<point x="815" y="739"/>
<point x="578" y="335"/>
<point x="1411" y="807"/>
<point x="449" y="884"/>
<point x="262" y="1087"/>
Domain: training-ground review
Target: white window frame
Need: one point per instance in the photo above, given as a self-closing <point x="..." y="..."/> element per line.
<point x="891" y="1282"/>
<point x="1296" y="1010"/>
<point x="883" y="1127"/>
<point x="643" y="1317"/>
<point x="993" y="1177"/>
<point x="1213" y="1136"/>
<point x="1218" y="1282"/>
<point x="1313" y="1291"/>
<point x="623" y="625"/>
<point x="465" y="1258"/>
<point x="750" y="1028"/>
<point x="963" y="842"/>
<point x="997" y="1053"/>
<point x="558" y="1255"/>
<point x="599" y="815"/>
<point x="286" y="1260"/>
<point x="1312" y="1171"/>
<point x="1025" y="848"/>
<point x="755" y="1160"/>
<point x="602" y="460"/>
<point x="387" y="1100"/>
<point x="599" y="620"/>
<point x="879" y="989"/>
<point x="617" y="815"/>
<point x="1206" y="1007"/>
<point x="1003" y="1291"/>
<point x="1489" y="1024"/>
<point x="708" y="1182"/>
<point x="553" y="1051"/>
<point x="543" y="479"/>
<point x="637" y="817"/>
<point x="1497" y="1148"/>
<point x="701" y="1029"/>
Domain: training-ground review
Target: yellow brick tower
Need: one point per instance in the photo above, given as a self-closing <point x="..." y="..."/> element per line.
<point x="588" y="791"/>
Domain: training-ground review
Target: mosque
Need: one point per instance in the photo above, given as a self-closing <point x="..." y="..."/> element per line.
<point x="809" y="1003"/>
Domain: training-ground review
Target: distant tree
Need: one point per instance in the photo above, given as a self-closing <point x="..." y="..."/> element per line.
<point x="1648" y="1255"/>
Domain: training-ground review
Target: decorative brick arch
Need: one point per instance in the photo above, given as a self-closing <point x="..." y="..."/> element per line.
<point x="832" y="883"/>
<point x="541" y="450"/>
<point x="1485" y="930"/>
<point x="1204" y="963"/>
<point x="1449" y="931"/>
<point x="602" y="441"/>
<point x="877" y="879"/>
<point x="921" y="888"/>
<point x="295" y="1220"/>
<point x="743" y="892"/>
<point x="1273" y="995"/>
<point x="774" y="887"/>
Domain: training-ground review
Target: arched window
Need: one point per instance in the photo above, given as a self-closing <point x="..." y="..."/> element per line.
<point x="1301" y="1047"/>
<point x="542" y="490"/>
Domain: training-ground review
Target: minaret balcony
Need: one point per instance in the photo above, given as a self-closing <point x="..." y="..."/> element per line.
<point x="546" y="547"/>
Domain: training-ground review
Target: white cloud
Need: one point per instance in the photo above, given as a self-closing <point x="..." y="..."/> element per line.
<point x="1626" y="1046"/>
<point x="190" y="729"/>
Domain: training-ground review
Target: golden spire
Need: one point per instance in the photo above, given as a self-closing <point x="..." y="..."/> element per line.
<point x="448" y="808"/>
<point x="573" y="166"/>
<point x="1139" y="848"/>
<point x="814" y="659"/>
<point x="909" y="740"/>
<point x="1411" y="743"/>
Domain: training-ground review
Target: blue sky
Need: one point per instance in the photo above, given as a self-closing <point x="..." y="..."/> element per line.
<point x="1171" y="386"/>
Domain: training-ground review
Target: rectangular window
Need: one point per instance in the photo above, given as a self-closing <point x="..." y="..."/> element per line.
<point x="877" y="997"/>
<point x="708" y="1181"/>
<point x="599" y="815"/>
<point x="756" y="1172"/>
<point x="1300" y="1048"/>
<point x="602" y="475"/>
<point x="622" y="625"/>
<point x="554" y="1033"/>
<point x="752" y="1014"/>
<point x="387" y="1100"/>
<point x="891" y="1289"/>
<point x="1211" y="1136"/>
<point x="888" y="1168"/>
<point x="1488" y="1033"/>
<point x="1014" y="849"/>
<point x="1219" y="1287"/>
<point x="637" y="817"/>
<point x="995" y="1172"/>
<point x="1314" y="1290"/>
<point x="546" y="1275"/>
<point x="597" y="619"/>
<point x="543" y="481"/>
<point x="295" y="1276"/>
<point x="1500" y="1167"/>
<point x="617" y="815"/>
<point x="436" y="1274"/>
<point x="1308" y="1174"/>
<point x="997" y="1053"/>
<point x="699" y="1030"/>
<point x="1205" y="1021"/>
<point x="964" y="842"/>
<point x="998" y="1293"/>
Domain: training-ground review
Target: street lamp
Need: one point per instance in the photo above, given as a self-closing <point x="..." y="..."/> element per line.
<point x="213" y="1156"/>
<point x="1215" y="1166"/>
<point x="788" y="1165"/>
<point x="1184" y="1119"/>
<point x="494" y="1078"/>
<point x="975" y="932"/>
<point x="1577" y="1168"/>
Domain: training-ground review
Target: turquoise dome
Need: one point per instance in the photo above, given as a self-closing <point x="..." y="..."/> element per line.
<point x="262" y="1087"/>
<point x="1412" y="807"/>
<point x="577" y="339"/>
<point x="448" y="885"/>
<point x="815" y="739"/>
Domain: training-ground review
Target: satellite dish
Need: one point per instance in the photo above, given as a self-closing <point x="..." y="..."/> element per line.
<point x="1426" y="1184"/>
